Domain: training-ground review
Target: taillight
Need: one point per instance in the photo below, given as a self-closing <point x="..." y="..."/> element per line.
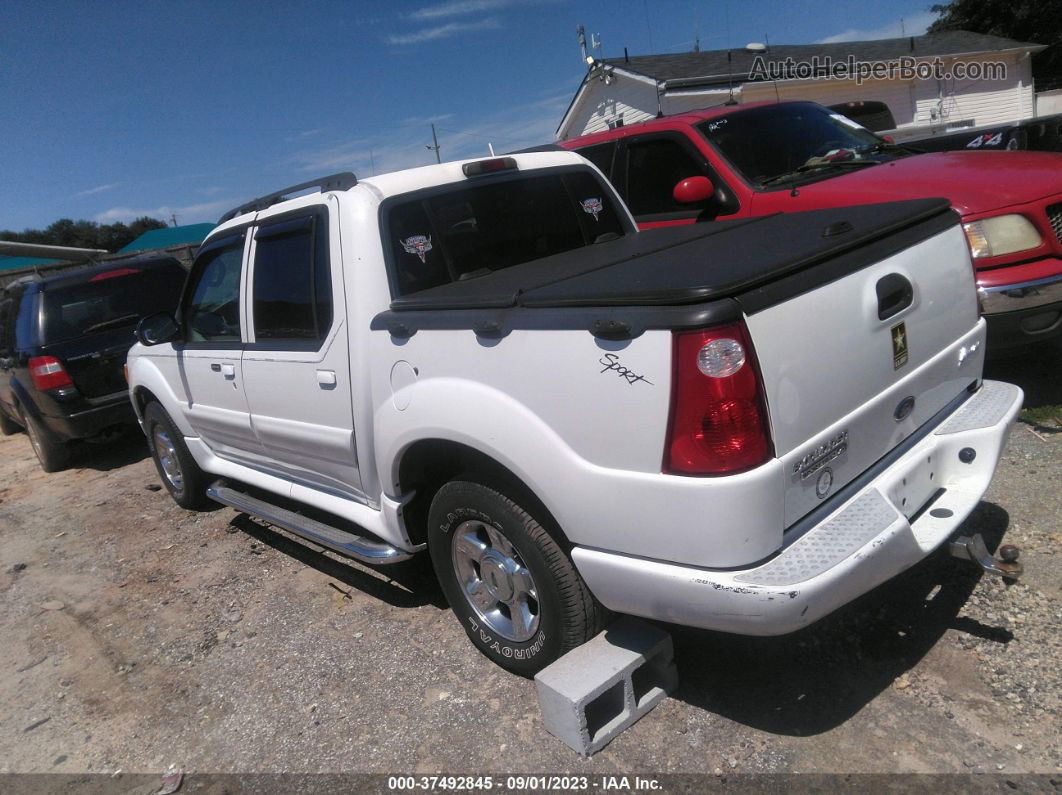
<point x="718" y="421"/>
<point x="47" y="373"/>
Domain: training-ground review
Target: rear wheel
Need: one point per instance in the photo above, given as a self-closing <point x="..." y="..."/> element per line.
<point x="179" y="472"/>
<point x="51" y="451"/>
<point x="508" y="581"/>
<point x="7" y="425"/>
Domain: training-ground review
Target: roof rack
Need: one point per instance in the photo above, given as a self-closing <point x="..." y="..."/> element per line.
<point x="344" y="180"/>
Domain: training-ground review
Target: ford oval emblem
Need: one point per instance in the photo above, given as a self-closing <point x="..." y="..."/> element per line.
<point x="904" y="409"/>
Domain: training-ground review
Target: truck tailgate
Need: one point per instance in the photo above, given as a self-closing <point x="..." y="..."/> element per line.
<point x="854" y="366"/>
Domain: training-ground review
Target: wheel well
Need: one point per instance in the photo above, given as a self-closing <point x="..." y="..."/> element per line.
<point x="429" y="464"/>
<point x="141" y="397"/>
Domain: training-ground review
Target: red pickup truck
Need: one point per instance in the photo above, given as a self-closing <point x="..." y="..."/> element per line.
<point x="757" y="159"/>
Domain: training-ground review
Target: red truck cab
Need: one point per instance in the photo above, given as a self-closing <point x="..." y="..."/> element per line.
<point x="763" y="158"/>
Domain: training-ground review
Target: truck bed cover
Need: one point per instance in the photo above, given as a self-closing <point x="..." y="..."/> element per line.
<point x="700" y="263"/>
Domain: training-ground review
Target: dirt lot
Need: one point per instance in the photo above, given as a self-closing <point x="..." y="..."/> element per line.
<point x="139" y="636"/>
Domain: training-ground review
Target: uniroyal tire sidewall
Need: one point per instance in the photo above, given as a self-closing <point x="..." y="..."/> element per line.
<point x="462" y="502"/>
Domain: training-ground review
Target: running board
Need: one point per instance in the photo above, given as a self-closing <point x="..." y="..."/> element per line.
<point x="349" y="544"/>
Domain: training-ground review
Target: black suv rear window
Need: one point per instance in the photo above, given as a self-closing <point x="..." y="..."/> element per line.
<point x="109" y="300"/>
<point x="475" y="229"/>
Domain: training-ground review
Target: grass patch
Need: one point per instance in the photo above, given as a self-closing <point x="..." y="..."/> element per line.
<point x="1041" y="415"/>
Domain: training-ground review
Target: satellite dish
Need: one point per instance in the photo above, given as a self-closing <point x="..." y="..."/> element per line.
<point x="755" y="46"/>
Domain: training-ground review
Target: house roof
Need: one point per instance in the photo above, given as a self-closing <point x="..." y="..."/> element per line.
<point x="715" y="64"/>
<point x="188" y="235"/>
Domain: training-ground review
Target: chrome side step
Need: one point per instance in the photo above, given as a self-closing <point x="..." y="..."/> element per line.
<point x="349" y="544"/>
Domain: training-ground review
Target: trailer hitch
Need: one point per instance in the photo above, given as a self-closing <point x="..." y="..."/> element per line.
<point x="973" y="549"/>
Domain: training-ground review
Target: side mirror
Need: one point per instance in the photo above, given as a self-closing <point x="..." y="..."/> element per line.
<point x="156" y="329"/>
<point x="694" y="190"/>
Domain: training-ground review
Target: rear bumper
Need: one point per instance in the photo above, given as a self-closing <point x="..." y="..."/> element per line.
<point x="88" y="422"/>
<point x="870" y="538"/>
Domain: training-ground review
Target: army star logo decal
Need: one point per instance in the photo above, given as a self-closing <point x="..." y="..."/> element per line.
<point x="899" y="346"/>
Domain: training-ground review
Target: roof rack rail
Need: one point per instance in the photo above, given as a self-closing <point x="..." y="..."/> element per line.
<point x="344" y="180"/>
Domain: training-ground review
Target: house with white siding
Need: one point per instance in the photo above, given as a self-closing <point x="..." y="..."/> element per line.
<point x="621" y="91"/>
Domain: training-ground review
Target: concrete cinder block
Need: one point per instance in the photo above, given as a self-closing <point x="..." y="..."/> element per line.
<point x="597" y="690"/>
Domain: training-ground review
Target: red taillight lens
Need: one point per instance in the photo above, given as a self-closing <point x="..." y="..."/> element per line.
<point x="47" y="373"/>
<point x="718" y="421"/>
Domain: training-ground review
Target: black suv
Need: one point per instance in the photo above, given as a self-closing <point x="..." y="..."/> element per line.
<point x="63" y="341"/>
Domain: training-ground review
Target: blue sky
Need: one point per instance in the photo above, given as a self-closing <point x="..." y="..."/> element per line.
<point x="118" y="109"/>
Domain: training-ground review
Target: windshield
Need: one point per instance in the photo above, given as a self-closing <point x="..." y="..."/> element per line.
<point x="472" y="229"/>
<point x="109" y="300"/>
<point x="777" y="140"/>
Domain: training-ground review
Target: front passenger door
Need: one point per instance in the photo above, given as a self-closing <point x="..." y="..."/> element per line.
<point x="209" y="360"/>
<point x="654" y="165"/>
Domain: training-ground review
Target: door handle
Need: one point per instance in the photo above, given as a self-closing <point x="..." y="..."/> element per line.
<point x="228" y="370"/>
<point x="326" y="378"/>
<point x="895" y="294"/>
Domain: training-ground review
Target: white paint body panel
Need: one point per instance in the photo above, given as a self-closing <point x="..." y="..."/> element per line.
<point x="584" y="440"/>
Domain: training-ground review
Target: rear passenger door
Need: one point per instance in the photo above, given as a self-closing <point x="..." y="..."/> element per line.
<point x="295" y="364"/>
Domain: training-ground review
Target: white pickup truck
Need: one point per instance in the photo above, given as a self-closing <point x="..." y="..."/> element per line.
<point x="740" y="426"/>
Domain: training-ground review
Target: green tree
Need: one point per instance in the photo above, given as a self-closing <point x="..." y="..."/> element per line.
<point x="1036" y="21"/>
<point x="85" y="234"/>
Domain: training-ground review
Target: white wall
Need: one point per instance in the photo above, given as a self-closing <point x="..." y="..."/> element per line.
<point x="1048" y="102"/>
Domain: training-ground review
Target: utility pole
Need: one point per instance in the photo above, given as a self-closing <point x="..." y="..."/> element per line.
<point x="435" y="142"/>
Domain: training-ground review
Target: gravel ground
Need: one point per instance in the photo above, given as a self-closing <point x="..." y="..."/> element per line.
<point x="139" y="636"/>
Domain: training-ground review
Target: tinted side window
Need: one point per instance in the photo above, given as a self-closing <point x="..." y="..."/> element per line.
<point x="292" y="285"/>
<point x="601" y="156"/>
<point x="213" y="312"/>
<point x="654" y="167"/>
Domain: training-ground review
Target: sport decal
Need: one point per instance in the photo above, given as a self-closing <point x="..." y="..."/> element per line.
<point x="417" y="244"/>
<point x="592" y="206"/>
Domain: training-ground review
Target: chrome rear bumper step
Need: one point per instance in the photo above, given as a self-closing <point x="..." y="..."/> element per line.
<point x="353" y="546"/>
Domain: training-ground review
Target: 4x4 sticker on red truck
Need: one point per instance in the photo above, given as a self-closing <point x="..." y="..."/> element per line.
<point x="899" y="345"/>
<point x="592" y="206"/>
<point x="417" y="244"/>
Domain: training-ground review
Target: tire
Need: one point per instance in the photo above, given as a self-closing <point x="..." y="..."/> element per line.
<point x="508" y="581"/>
<point x="51" y="451"/>
<point x="178" y="471"/>
<point x="7" y="425"/>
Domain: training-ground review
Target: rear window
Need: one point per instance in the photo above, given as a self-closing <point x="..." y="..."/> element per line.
<point x="109" y="300"/>
<point x="475" y="230"/>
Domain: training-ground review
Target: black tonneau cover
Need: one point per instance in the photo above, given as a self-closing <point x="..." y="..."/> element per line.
<point x="700" y="263"/>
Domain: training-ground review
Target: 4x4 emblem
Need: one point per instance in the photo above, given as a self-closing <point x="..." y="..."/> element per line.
<point x="899" y="345"/>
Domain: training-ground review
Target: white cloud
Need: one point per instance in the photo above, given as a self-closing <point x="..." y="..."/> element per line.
<point x="453" y="8"/>
<point x="914" y="25"/>
<point x="98" y="189"/>
<point x="443" y="31"/>
<point x="188" y="214"/>
<point x="404" y="146"/>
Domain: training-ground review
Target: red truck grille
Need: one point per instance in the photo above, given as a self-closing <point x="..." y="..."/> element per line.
<point x="1054" y="215"/>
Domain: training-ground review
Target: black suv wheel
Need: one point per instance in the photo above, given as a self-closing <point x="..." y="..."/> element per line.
<point x="52" y="452"/>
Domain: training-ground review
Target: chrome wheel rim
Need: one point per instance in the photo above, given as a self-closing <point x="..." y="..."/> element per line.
<point x="494" y="580"/>
<point x="166" y="454"/>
